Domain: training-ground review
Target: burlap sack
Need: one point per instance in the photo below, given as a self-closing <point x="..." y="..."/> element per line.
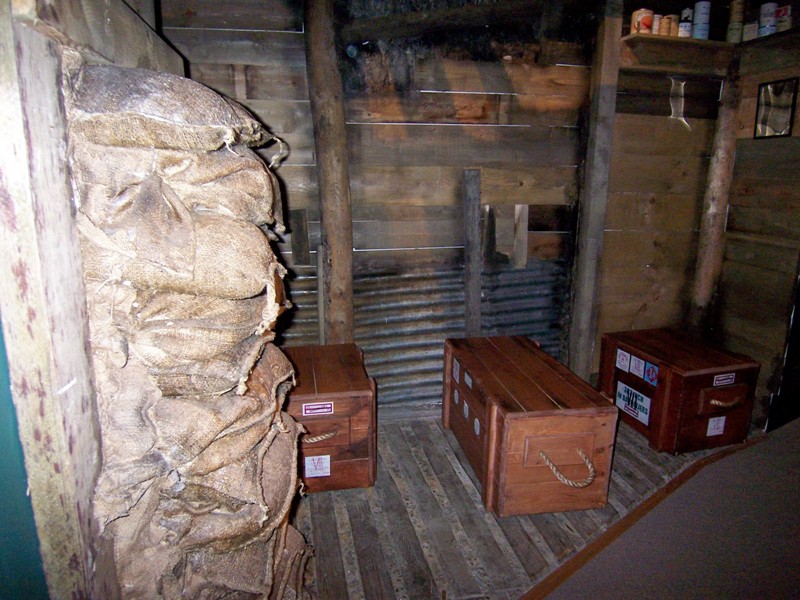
<point x="232" y="182"/>
<point x="177" y="252"/>
<point x="116" y="106"/>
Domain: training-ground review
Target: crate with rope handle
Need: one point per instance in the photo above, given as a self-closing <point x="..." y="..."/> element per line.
<point x="539" y="438"/>
<point x="334" y="399"/>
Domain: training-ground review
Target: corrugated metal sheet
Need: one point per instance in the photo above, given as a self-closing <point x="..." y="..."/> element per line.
<point x="403" y="318"/>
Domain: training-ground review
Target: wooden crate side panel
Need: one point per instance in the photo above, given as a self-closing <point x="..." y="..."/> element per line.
<point x="528" y="489"/>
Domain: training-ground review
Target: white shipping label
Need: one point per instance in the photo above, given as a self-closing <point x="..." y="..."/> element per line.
<point x="455" y="397"/>
<point x="637" y="366"/>
<point x="725" y="379"/>
<point x="317" y="408"/>
<point x="477" y="426"/>
<point x="716" y="426"/>
<point x="456" y="371"/>
<point x="623" y="360"/>
<point x="466" y="411"/>
<point x="318" y="466"/>
<point x="633" y="403"/>
<point x="468" y="380"/>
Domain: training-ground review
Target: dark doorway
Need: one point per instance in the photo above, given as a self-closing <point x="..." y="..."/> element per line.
<point x="785" y="403"/>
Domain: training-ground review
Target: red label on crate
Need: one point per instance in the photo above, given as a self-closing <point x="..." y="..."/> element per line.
<point x="317" y="408"/>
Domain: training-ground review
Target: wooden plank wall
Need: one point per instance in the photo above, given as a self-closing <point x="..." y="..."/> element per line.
<point x="763" y="230"/>
<point x="658" y="175"/>
<point x="515" y="121"/>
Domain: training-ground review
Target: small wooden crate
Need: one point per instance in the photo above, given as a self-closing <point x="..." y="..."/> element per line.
<point x="514" y="409"/>
<point x="334" y="399"/>
<point x="678" y="391"/>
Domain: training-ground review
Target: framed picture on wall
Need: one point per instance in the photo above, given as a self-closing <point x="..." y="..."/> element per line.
<point x="776" y="106"/>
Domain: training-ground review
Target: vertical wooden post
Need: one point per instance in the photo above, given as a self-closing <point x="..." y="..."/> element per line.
<point x="472" y="252"/>
<point x="330" y="139"/>
<point x="594" y="190"/>
<point x="43" y="309"/>
<point x="711" y="243"/>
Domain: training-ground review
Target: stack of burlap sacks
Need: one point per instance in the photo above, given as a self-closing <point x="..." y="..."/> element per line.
<point x="198" y="462"/>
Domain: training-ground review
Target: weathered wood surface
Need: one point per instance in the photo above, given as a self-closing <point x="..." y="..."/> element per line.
<point x="595" y="188"/>
<point x="763" y="228"/>
<point x="656" y="187"/>
<point x="411" y="24"/>
<point x="711" y="237"/>
<point x="646" y="53"/>
<point x="284" y="15"/>
<point x="422" y="530"/>
<point x="106" y="31"/>
<point x="330" y="140"/>
<point x="43" y="308"/>
<point x="517" y="122"/>
<point x="471" y="220"/>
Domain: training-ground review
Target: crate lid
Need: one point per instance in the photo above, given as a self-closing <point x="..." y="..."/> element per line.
<point x="523" y="378"/>
<point x="685" y="353"/>
<point x="328" y="370"/>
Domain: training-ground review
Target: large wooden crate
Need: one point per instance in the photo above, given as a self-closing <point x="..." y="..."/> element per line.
<point x="334" y="399"/>
<point x="538" y="437"/>
<point x="677" y="390"/>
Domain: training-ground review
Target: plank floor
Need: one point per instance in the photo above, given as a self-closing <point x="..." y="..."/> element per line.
<point x="422" y="531"/>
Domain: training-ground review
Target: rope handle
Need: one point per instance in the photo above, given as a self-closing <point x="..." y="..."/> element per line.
<point x="319" y="438"/>
<point x="722" y="404"/>
<point x="564" y="479"/>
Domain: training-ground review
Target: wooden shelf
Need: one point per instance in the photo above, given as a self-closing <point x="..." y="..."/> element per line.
<point x="649" y="53"/>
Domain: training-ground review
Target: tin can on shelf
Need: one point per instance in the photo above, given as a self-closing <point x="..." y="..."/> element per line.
<point x="674" y="24"/>
<point x="665" y="27"/>
<point x="685" y="25"/>
<point x="766" y="17"/>
<point x="657" y="24"/>
<point x="737" y="11"/>
<point x="642" y="21"/>
<point x="734" y="34"/>
<point x="783" y="18"/>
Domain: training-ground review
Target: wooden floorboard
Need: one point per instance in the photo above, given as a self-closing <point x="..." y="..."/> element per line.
<point x="422" y="531"/>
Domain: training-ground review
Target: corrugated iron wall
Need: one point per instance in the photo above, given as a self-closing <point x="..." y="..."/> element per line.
<point x="403" y="318"/>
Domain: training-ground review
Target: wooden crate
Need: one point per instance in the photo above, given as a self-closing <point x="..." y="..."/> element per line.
<point x="513" y="408"/>
<point x="334" y="399"/>
<point x="677" y="390"/>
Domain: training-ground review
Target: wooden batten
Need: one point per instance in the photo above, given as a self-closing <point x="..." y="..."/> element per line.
<point x="330" y="138"/>
<point x="472" y="251"/>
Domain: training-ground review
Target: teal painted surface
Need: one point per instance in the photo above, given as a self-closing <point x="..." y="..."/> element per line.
<point x="21" y="573"/>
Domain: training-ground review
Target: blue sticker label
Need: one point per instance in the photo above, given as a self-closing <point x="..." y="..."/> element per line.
<point x="651" y="374"/>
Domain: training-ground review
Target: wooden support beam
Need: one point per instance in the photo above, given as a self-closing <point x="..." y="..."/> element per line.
<point x="43" y="309"/>
<point x="421" y="23"/>
<point x="330" y="139"/>
<point x="594" y="190"/>
<point x="472" y="251"/>
<point x="711" y="244"/>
